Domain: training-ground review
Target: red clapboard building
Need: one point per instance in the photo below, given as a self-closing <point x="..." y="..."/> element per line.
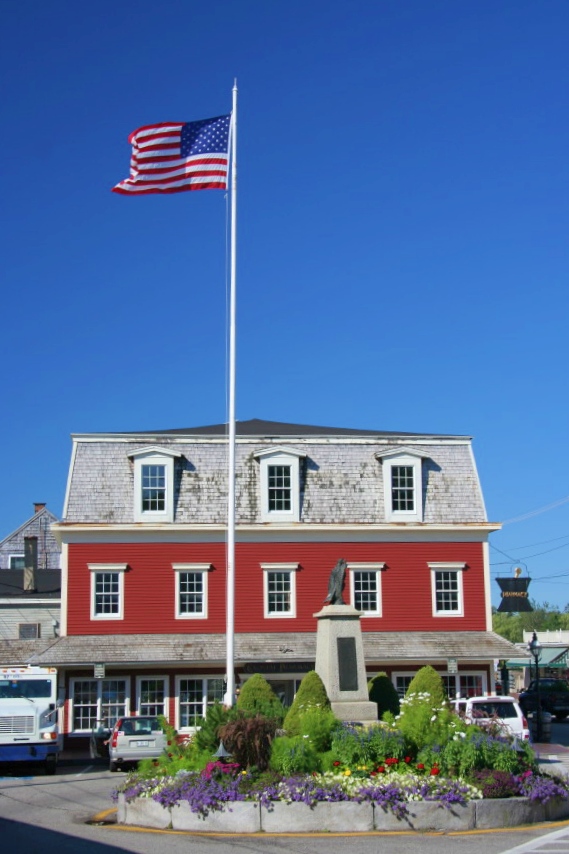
<point x="143" y="540"/>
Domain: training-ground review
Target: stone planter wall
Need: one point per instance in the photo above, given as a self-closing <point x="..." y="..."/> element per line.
<point x="340" y="817"/>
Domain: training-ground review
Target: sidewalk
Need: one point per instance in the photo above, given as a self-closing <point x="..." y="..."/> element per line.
<point x="553" y="758"/>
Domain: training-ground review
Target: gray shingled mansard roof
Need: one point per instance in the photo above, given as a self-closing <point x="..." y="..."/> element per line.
<point x="341" y="479"/>
<point x="381" y="647"/>
<point x="259" y="427"/>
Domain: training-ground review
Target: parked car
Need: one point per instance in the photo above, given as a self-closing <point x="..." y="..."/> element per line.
<point x="483" y="711"/>
<point x="135" y="738"/>
<point x="553" y="696"/>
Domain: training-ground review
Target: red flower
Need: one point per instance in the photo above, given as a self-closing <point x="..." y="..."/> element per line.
<point x="373" y="773"/>
<point x="435" y="770"/>
<point x="335" y="764"/>
<point x="420" y="767"/>
<point x="381" y="769"/>
<point x="392" y="761"/>
<point x="407" y="759"/>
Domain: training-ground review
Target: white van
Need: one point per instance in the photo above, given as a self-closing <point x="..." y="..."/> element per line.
<point x="505" y="711"/>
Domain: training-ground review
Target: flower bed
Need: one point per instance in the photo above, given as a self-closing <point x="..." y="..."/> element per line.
<point x="333" y="801"/>
<point x="423" y="769"/>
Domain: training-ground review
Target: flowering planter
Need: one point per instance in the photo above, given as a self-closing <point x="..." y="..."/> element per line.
<point x="341" y="816"/>
<point x="338" y="817"/>
<point x="237" y="817"/>
<point x="428" y="815"/>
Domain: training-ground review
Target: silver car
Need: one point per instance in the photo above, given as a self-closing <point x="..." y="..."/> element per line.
<point x="135" y="738"/>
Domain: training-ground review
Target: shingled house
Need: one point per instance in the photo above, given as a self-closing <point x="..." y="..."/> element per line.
<point x="30" y="588"/>
<point x="144" y="563"/>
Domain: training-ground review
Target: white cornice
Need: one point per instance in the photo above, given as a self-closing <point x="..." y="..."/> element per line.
<point x="299" y="533"/>
<point x="189" y="439"/>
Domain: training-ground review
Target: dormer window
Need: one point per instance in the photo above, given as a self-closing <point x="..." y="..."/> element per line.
<point x="154" y="484"/>
<point x="402" y="485"/>
<point x="280" y="484"/>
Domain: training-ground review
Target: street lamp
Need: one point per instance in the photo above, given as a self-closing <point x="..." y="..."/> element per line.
<point x="534" y="648"/>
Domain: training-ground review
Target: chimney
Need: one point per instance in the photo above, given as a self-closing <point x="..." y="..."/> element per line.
<point x="38" y="506"/>
<point x="30" y="563"/>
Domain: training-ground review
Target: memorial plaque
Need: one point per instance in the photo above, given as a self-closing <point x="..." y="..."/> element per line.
<point x="347" y="664"/>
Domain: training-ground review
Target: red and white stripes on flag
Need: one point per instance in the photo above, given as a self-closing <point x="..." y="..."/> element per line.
<point x="171" y="157"/>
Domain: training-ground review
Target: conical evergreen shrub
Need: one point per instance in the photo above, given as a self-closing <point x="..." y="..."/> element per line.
<point x="428" y="681"/>
<point x="382" y="691"/>
<point x="258" y="698"/>
<point x="311" y="694"/>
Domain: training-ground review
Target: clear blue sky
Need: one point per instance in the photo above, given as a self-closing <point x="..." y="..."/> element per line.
<point x="402" y="239"/>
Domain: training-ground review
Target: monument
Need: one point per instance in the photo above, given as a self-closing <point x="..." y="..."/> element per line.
<point x="340" y="659"/>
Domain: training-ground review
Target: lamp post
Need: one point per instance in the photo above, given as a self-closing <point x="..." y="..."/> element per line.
<point x="534" y="648"/>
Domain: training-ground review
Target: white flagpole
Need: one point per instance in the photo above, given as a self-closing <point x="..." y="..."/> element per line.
<point x="229" y="697"/>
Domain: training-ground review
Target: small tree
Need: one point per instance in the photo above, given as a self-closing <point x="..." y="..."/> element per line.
<point x="382" y="691"/>
<point x="258" y="698"/>
<point x="311" y="694"/>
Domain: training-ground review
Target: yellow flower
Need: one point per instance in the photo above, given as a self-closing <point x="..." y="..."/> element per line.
<point x="347" y="773"/>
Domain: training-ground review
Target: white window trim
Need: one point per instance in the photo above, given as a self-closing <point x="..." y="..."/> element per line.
<point x="94" y="569"/>
<point x="402" y="457"/>
<point x="292" y="568"/>
<point x="367" y="567"/>
<point x="75" y="679"/>
<point x="444" y="673"/>
<point x="280" y="457"/>
<point x="16" y="554"/>
<point x="196" y="676"/>
<point x="457" y="676"/>
<point x="204" y="568"/>
<point x="450" y="567"/>
<point x="158" y="678"/>
<point x="154" y="456"/>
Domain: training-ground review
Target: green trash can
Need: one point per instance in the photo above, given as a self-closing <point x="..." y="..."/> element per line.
<point x="546" y="719"/>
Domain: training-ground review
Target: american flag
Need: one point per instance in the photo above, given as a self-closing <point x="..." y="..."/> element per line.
<point x="173" y="156"/>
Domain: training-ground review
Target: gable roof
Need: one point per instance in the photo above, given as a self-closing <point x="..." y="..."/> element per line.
<point x="44" y="512"/>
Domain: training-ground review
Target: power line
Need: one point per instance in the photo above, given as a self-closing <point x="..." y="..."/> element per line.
<point x="536" y="512"/>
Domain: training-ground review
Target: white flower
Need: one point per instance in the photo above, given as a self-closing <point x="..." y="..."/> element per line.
<point x="433" y="718"/>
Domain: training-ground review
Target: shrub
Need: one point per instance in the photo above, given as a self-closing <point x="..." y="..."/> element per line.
<point x="424" y="724"/>
<point x="353" y="746"/>
<point x="258" y="698"/>
<point x="475" y="750"/>
<point x="495" y="784"/>
<point x="248" y="740"/>
<point x="207" y="737"/>
<point x="311" y="693"/>
<point x="382" y="691"/>
<point x="293" y="755"/>
<point x="428" y="681"/>
<point x="318" y="724"/>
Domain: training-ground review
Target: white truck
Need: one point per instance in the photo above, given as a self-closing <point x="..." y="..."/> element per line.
<point x="28" y="716"/>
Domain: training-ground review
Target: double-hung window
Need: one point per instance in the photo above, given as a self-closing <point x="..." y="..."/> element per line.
<point x="107" y="590"/>
<point x="152" y="699"/>
<point x="154" y="484"/>
<point x="279" y="587"/>
<point x="280" y="484"/>
<point x="191" y="590"/>
<point x="97" y="701"/>
<point x="446" y="589"/>
<point x="402" y="485"/>
<point x="195" y="695"/>
<point x="365" y="587"/>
